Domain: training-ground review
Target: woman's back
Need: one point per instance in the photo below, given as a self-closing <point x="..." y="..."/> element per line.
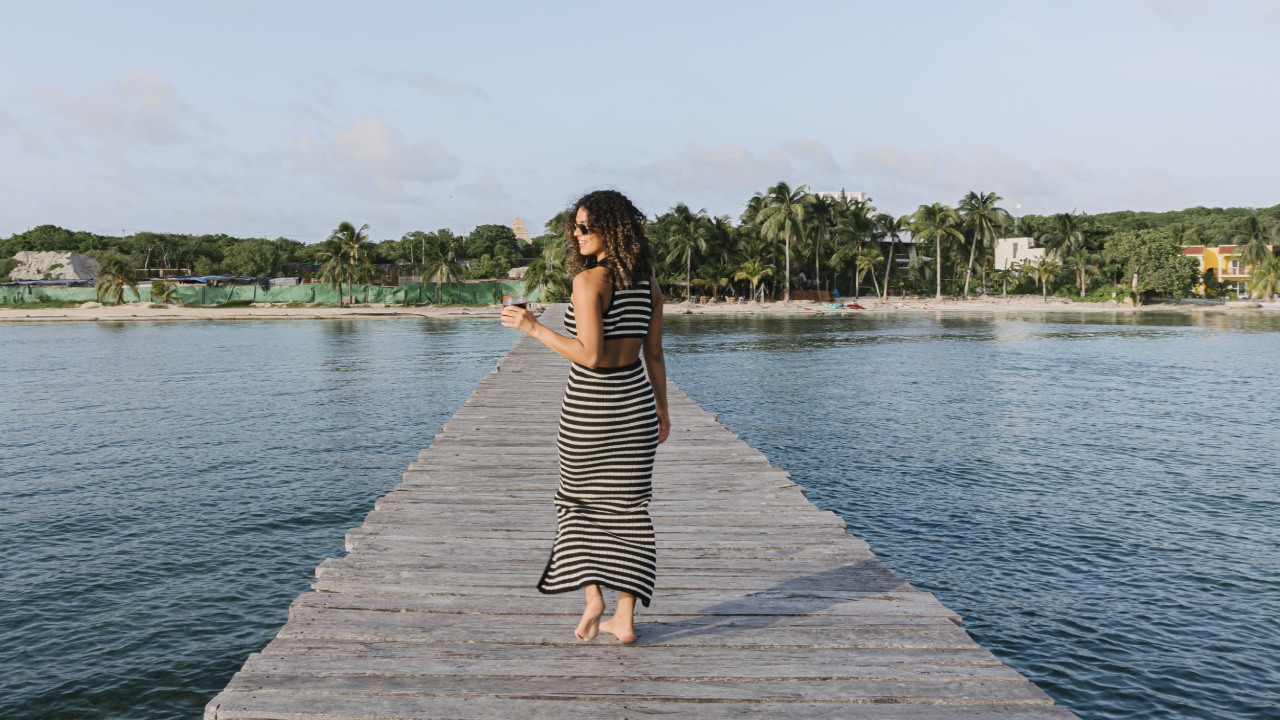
<point x="626" y="324"/>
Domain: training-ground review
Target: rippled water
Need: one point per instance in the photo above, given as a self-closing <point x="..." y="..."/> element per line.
<point x="166" y="490"/>
<point x="1097" y="496"/>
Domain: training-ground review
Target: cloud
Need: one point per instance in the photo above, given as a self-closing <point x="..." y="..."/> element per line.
<point x="428" y="82"/>
<point x="139" y="107"/>
<point x="30" y="142"/>
<point x="487" y="188"/>
<point x="1151" y="189"/>
<point x="320" y="90"/>
<point x="899" y="181"/>
<point x="1176" y="12"/>
<point x="241" y="9"/>
<point x="483" y="197"/>
<point x="311" y="155"/>
<point x="1266" y="14"/>
<point x="375" y="160"/>
<point x="903" y="179"/>
<point x="736" y="171"/>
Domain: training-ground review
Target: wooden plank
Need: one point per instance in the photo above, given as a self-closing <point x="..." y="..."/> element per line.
<point x="765" y="606"/>
<point x="673" y="631"/>
<point x="261" y="705"/>
<point x="585" y="659"/>
<point x="845" y="690"/>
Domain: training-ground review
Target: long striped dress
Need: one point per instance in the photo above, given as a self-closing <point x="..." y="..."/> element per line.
<point x="607" y="440"/>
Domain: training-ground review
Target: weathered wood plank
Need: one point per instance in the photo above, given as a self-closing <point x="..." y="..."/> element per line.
<point x="785" y="664"/>
<point x="765" y="606"/>
<point x="261" y="705"/>
<point x="674" y="631"/>
<point x="844" y="690"/>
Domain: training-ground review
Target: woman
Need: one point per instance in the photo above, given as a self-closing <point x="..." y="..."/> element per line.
<point x="613" y="417"/>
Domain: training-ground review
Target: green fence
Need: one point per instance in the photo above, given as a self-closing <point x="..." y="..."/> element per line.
<point x="471" y="293"/>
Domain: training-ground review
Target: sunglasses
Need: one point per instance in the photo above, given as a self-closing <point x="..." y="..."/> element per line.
<point x="582" y="228"/>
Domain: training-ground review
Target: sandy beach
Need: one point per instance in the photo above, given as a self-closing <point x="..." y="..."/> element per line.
<point x="92" y="312"/>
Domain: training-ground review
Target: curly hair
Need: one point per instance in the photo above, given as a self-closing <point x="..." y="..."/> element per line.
<point x="621" y="226"/>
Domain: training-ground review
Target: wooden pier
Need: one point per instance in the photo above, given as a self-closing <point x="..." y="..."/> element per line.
<point x="765" y="606"/>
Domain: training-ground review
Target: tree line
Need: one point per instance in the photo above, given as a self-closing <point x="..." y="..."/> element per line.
<point x="487" y="251"/>
<point x="785" y="239"/>
<point x="789" y="238"/>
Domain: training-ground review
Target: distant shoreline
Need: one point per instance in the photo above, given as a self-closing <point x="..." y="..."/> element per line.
<point x="143" y="311"/>
<point x="988" y="304"/>
<point x="992" y="304"/>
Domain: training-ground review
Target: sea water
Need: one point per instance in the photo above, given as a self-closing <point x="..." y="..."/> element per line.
<point x="167" y="489"/>
<point x="1097" y="495"/>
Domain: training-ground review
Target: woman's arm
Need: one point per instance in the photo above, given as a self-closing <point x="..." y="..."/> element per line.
<point x="589" y="289"/>
<point x="654" y="362"/>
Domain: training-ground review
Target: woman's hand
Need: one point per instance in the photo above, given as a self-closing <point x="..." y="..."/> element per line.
<point x="519" y="318"/>
<point x="664" y="426"/>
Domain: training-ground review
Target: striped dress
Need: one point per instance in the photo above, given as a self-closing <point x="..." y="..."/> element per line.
<point x="607" y="440"/>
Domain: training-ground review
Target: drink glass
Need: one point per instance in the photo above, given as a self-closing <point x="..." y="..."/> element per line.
<point x="516" y="300"/>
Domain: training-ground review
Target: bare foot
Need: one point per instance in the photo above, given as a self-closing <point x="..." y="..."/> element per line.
<point x="624" y="631"/>
<point x="590" y="624"/>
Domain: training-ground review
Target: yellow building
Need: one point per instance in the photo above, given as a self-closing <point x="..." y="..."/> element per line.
<point x="1224" y="263"/>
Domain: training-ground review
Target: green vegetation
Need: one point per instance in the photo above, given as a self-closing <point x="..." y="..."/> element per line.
<point x="164" y="293"/>
<point x="345" y="258"/>
<point x="114" y="278"/>
<point x="937" y="222"/>
<point x="1264" y="280"/>
<point x="786" y="239"/>
<point x="1154" y="261"/>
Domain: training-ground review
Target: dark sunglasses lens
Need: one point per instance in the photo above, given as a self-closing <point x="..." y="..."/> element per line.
<point x="584" y="229"/>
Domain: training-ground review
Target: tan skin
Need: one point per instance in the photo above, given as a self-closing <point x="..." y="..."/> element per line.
<point x="591" y="295"/>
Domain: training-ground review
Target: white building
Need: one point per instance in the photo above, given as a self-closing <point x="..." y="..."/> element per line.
<point x="1015" y="251"/>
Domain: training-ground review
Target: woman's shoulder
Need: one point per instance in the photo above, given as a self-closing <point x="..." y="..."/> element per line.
<point x="596" y="278"/>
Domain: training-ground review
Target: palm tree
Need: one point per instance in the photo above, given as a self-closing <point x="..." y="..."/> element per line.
<point x="1003" y="277"/>
<point x="723" y="239"/>
<point x="893" y="229"/>
<point x="1045" y="270"/>
<point x="441" y="261"/>
<point x="1255" y="241"/>
<point x="820" y="219"/>
<point x="866" y="262"/>
<point x="346" y="261"/>
<point x="114" y="276"/>
<point x="688" y="237"/>
<point x="982" y="221"/>
<point x="1083" y="263"/>
<point x="713" y="275"/>
<point x="548" y="272"/>
<point x="555" y="226"/>
<point x="749" y="214"/>
<point x="1066" y="233"/>
<point x="164" y="292"/>
<point x="753" y="270"/>
<point x="1264" y="278"/>
<point x="937" y="222"/>
<point x="855" y="226"/>
<point x="782" y="217"/>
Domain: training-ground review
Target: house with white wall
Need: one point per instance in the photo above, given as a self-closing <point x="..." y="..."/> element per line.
<point x="1015" y="251"/>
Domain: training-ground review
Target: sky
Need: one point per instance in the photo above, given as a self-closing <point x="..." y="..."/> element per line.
<point x="282" y="119"/>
